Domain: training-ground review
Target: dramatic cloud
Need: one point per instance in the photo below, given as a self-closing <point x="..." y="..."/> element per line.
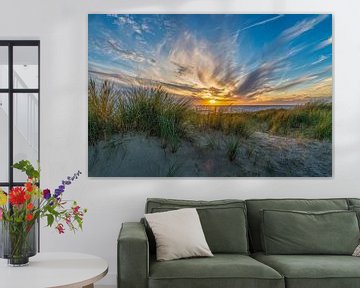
<point x="257" y="79"/>
<point x="260" y="85"/>
<point x="182" y="70"/>
<point x="128" y="54"/>
<point x="301" y="27"/>
<point x="132" y="24"/>
<point x="294" y="82"/>
<point x="215" y="59"/>
<point x="261" y="22"/>
<point x="321" y="59"/>
<point x="324" y="44"/>
<point x="195" y="62"/>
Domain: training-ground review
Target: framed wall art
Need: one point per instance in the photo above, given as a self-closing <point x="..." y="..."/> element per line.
<point x="210" y="95"/>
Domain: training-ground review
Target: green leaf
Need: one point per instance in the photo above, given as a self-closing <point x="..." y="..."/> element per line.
<point x="26" y="167"/>
<point x="50" y="219"/>
<point x="53" y="211"/>
<point x="79" y="221"/>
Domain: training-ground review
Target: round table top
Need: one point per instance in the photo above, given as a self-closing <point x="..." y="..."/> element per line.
<point x="47" y="270"/>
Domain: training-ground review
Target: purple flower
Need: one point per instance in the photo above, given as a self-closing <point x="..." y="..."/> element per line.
<point x="58" y="192"/>
<point x="46" y="194"/>
<point x="64" y="183"/>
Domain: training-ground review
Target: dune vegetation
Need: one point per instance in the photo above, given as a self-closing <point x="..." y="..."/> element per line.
<point x="138" y="125"/>
<point x="311" y="121"/>
<point x="157" y="113"/>
<point x="152" y="111"/>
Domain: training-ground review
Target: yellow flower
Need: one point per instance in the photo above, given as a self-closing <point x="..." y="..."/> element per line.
<point x="3" y="198"/>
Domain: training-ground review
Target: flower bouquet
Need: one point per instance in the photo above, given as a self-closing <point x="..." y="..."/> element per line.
<point x="21" y="208"/>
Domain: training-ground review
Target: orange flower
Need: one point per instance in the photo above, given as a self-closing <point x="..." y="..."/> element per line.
<point x="27" y="196"/>
<point x="29" y="206"/>
<point x="29" y="186"/>
<point x="29" y="217"/>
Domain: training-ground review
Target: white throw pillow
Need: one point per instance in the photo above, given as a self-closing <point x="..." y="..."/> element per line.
<point x="178" y="234"/>
<point x="357" y="251"/>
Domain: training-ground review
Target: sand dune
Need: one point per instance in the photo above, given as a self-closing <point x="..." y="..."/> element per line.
<point x="261" y="155"/>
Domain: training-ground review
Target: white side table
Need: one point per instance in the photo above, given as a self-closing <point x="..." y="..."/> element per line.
<point x="50" y="270"/>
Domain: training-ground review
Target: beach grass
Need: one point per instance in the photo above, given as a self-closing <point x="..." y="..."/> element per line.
<point x="102" y="108"/>
<point x="309" y="121"/>
<point x="137" y="109"/>
<point x="172" y="119"/>
<point x="232" y="147"/>
<point x="228" y="123"/>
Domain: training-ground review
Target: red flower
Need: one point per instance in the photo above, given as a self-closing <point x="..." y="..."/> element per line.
<point x="60" y="228"/>
<point x="75" y="209"/>
<point x="29" y="206"/>
<point x="17" y="196"/>
<point x="29" y="186"/>
<point x="68" y="219"/>
<point x="27" y="196"/>
<point x="29" y="217"/>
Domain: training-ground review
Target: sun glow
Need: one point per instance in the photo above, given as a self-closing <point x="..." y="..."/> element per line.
<point x="212" y="101"/>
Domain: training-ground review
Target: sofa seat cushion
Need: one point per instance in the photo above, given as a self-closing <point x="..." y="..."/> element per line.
<point x="314" y="271"/>
<point x="222" y="270"/>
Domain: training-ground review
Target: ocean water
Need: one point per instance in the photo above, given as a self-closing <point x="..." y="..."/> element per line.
<point x="242" y="108"/>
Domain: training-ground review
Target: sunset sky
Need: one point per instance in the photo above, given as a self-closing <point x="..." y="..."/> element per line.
<point x="244" y="59"/>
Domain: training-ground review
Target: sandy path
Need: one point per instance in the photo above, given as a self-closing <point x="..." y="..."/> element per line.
<point x="262" y="155"/>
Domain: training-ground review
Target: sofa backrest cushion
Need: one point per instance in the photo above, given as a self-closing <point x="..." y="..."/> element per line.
<point x="255" y="206"/>
<point x="356" y="209"/>
<point x="223" y="221"/>
<point x="299" y="233"/>
<point x="353" y="202"/>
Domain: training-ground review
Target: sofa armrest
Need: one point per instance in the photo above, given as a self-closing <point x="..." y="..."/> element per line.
<point x="133" y="256"/>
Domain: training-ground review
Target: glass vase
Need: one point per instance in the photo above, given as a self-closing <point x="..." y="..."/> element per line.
<point x="18" y="242"/>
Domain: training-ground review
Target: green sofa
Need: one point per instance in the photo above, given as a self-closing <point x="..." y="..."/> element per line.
<point x="233" y="231"/>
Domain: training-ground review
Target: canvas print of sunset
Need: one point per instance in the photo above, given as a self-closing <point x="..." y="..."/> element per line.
<point x="225" y="95"/>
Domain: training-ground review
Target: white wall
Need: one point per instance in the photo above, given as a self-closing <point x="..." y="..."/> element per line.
<point x="61" y="25"/>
